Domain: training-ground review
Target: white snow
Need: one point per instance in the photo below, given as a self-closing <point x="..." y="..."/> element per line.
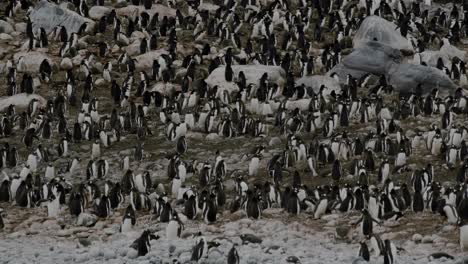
<point x="280" y="240"/>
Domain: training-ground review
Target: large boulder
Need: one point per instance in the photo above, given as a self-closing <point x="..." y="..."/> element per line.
<point x="378" y="58"/>
<point x="405" y="77"/>
<point x="31" y="60"/>
<point x="48" y="16"/>
<point x="370" y="57"/>
<point x="252" y="73"/>
<point x="96" y="12"/>
<point x="447" y="52"/>
<point x="5" y="27"/>
<point x="21" y="101"/>
<point x="374" y="27"/>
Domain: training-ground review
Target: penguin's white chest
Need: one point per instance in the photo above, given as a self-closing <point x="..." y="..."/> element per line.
<point x="65" y="148"/>
<point x="126" y="164"/>
<point x="32" y="162"/>
<point x="321" y="208"/>
<point x="24" y="173"/>
<point x="175" y="187"/>
<point x="50" y="172"/>
<point x="96" y="151"/>
<point x="53" y="208"/>
<point x="182" y="171"/>
<point x="172" y="230"/>
<point x="139" y="183"/>
<point x="253" y="166"/>
<point x="126" y="225"/>
<point x="451" y="213"/>
<point x="14" y="187"/>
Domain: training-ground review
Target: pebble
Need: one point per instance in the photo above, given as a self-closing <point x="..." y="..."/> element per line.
<point x="417" y="238"/>
<point x="82" y="235"/>
<point x="212" y="136"/>
<point x="64" y="233"/>
<point x="427" y="240"/>
<point x="5" y="36"/>
<point x="21" y="27"/>
<point x="66" y="64"/>
<point x="274" y="141"/>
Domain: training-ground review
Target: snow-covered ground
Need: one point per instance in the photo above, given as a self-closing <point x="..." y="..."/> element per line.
<point x="311" y="241"/>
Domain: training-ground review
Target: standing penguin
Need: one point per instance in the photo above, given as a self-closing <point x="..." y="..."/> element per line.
<point x="253" y="165"/>
<point x="96" y="150"/>
<point x="253" y="206"/>
<point x="200" y="249"/>
<point x="174" y="227"/>
<point x="293" y="204"/>
<point x="233" y="256"/>
<point x="128" y="221"/>
<point x="321" y="207"/>
<point x="76" y="204"/>
<point x="209" y="211"/>
<point x="5" y="191"/>
<point x="181" y="146"/>
<point x="367" y="223"/>
<point x="389" y="252"/>
<point x="364" y="251"/>
<point x="176" y="184"/>
<point x="384" y="171"/>
<point x="53" y="206"/>
<point x="142" y="244"/>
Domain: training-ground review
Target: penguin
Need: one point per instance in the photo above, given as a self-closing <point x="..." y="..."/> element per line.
<point x="116" y="196"/>
<point x="138" y="153"/>
<point x="166" y="213"/>
<point x="377" y="245"/>
<point x="200" y="249"/>
<point x="364" y="251"/>
<point x="254" y="165"/>
<point x="209" y="211"/>
<point x="5" y="190"/>
<point x="389" y="252"/>
<point x="142" y="244"/>
<point x="53" y="206"/>
<point x="367" y="223"/>
<point x="451" y="213"/>
<point x="174" y="227"/>
<point x="62" y="148"/>
<point x="103" y="207"/>
<point x="76" y="204"/>
<point x="181" y="145"/>
<point x="128" y="221"/>
<point x="96" y="150"/>
<point x="384" y="171"/>
<point x="418" y="202"/>
<point x="190" y="206"/>
<point x="50" y="171"/>
<point x="253" y="207"/>
<point x="29" y="136"/>
<point x="321" y="208"/>
<point x="233" y="256"/>
<point x="176" y="184"/>
<point x="23" y="195"/>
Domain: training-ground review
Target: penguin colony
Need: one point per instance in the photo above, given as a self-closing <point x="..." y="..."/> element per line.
<point x="326" y="166"/>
